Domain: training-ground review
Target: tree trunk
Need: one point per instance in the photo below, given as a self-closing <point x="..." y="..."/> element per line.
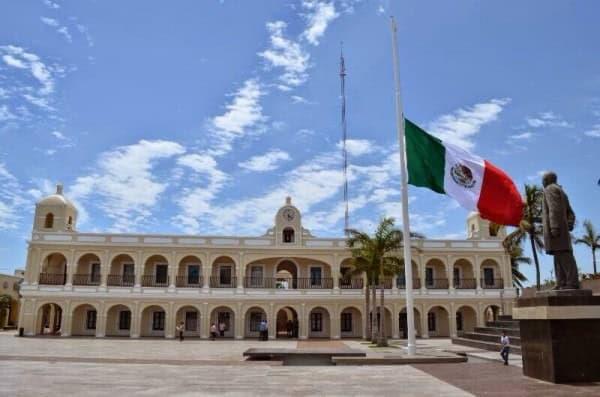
<point x="536" y="261"/>
<point x="382" y="341"/>
<point x="374" y="329"/>
<point x="367" y="334"/>
<point x="594" y="259"/>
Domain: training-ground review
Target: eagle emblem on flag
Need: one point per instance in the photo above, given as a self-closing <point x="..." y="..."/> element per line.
<point x="462" y="175"/>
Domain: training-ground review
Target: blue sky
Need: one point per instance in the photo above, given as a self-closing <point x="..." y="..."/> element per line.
<point x="200" y="117"/>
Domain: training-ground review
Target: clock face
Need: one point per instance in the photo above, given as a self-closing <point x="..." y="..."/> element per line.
<point x="288" y="214"/>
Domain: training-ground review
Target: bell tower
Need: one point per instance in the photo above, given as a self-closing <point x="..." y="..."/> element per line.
<point x="288" y="225"/>
<point x="55" y="213"/>
<point x="482" y="229"/>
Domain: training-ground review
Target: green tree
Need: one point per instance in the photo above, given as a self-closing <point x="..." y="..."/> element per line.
<point x="529" y="227"/>
<point x="380" y="260"/>
<point x="590" y="238"/>
<point x="516" y="259"/>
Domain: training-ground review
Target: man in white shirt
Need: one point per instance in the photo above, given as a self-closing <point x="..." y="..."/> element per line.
<point x="505" y="342"/>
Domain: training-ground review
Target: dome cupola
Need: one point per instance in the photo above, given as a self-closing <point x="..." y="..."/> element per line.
<point x="55" y="213"/>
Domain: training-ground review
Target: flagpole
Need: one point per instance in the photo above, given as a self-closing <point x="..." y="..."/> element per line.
<point x="410" y="317"/>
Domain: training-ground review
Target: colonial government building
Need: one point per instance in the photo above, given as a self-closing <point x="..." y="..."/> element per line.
<point x="134" y="285"/>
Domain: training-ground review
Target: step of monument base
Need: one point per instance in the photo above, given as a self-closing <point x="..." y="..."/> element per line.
<point x="484" y="345"/>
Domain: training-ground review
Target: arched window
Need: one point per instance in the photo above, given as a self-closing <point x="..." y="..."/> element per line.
<point x="288" y="235"/>
<point x="49" y="223"/>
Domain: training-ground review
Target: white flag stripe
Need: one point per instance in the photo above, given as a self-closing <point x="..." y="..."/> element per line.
<point x="465" y="190"/>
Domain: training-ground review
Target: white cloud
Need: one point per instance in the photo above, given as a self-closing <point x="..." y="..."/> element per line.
<point x="51" y="4"/>
<point x="62" y="30"/>
<point x="11" y="199"/>
<point x="50" y="21"/>
<point x="123" y="186"/>
<point x="266" y="162"/>
<point x="357" y="147"/>
<point x="86" y="33"/>
<point x="59" y="135"/>
<point x="286" y="54"/>
<point x="320" y="15"/>
<point x="243" y="115"/>
<point x="594" y="132"/>
<point x="380" y="9"/>
<point x="6" y="114"/>
<point x="524" y="136"/>
<point x="302" y="100"/>
<point x="17" y="57"/>
<point x="547" y="119"/>
<point x="461" y="126"/>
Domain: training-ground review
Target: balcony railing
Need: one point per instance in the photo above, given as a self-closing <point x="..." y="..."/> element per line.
<point x="153" y="281"/>
<point x="315" y="283"/>
<point x="218" y="282"/>
<point x="402" y="283"/>
<point x="437" y="283"/>
<point x="120" y="280"/>
<point x="292" y="283"/>
<point x="354" y="283"/>
<point x="86" y="279"/>
<point x="53" y="278"/>
<point x="496" y="283"/>
<point x="465" y="283"/>
<point x="189" y="281"/>
<point x="265" y="282"/>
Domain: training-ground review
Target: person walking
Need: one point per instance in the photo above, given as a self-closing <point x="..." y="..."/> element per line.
<point x="505" y="342"/>
<point x="213" y="331"/>
<point x="263" y="330"/>
<point x="222" y="328"/>
<point x="179" y="329"/>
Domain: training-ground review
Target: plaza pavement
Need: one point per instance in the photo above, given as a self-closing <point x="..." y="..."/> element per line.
<point x="159" y="367"/>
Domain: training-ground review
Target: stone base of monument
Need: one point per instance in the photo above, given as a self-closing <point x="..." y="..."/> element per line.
<point x="560" y="336"/>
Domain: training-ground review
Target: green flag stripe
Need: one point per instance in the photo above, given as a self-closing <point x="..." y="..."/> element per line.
<point x="425" y="158"/>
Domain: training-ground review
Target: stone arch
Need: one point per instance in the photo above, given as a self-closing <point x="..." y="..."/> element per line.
<point x="223" y="314"/>
<point x="401" y="278"/>
<point x="190" y="316"/>
<point x="252" y="318"/>
<point x="284" y="314"/>
<point x="286" y="273"/>
<point x="438" y="321"/>
<point x="49" y="221"/>
<point x="87" y="270"/>
<point x="351" y="324"/>
<point x="54" y="269"/>
<point x="466" y="318"/>
<point x="84" y="319"/>
<point x="491" y="274"/>
<point x="189" y="272"/>
<point x="463" y="274"/>
<point x="122" y="270"/>
<point x="319" y="322"/>
<point x="153" y="320"/>
<point x="156" y="271"/>
<point x="436" y="276"/>
<point x="490" y="313"/>
<point x="388" y="320"/>
<point x="118" y="322"/>
<point x="49" y="318"/>
<point x="403" y="322"/>
<point x="223" y="273"/>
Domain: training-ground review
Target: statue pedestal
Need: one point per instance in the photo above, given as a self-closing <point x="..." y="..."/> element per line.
<point x="560" y="336"/>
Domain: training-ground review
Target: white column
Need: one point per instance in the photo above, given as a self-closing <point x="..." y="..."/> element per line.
<point x="71" y="266"/>
<point x="239" y="322"/>
<point x="240" y="271"/>
<point x="204" y="321"/>
<point x="452" y="321"/>
<point x="139" y="269"/>
<point x="272" y="321"/>
<point x="424" y="325"/>
<point x="395" y="322"/>
<point x="303" y="319"/>
<point x="477" y="272"/>
<point x="100" y="320"/>
<point x="450" y="273"/>
<point x="170" y="321"/>
<point x="172" y="270"/>
<point x="65" y="323"/>
<point x="135" y="320"/>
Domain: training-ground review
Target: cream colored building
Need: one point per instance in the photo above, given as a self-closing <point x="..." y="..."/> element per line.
<point x="137" y="285"/>
<point x="9" y="285"/>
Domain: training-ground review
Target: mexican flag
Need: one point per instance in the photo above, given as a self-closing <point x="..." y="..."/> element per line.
<point x="472" y="181"/>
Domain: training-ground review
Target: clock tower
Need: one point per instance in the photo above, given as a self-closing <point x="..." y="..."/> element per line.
<point x="288" y="225"/>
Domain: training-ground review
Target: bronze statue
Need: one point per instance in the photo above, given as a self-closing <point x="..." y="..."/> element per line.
<point x="558" y="220"/>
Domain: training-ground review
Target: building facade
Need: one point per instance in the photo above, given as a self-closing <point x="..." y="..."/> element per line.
<point x="9" y="295"/>
<point x="138" y="285"/>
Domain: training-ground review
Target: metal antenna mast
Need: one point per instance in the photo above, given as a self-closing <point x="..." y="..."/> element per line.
<point x="344" y="134"/>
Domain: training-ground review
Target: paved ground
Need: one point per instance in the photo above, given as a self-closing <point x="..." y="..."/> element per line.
<point x="152" y="367"/>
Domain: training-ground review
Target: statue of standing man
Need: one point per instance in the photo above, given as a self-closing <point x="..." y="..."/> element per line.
<point x="558" y="221"/>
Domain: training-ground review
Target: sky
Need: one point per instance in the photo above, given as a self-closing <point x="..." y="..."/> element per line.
<point x="195" y="117"/>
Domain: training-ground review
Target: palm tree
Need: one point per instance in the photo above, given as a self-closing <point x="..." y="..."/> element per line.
<point x="379" y="252"/>
<point x="529" y="227"/>
<point x="516" y="259"/>
<point x="591" y="239"/>
<point x="360" y="266"/>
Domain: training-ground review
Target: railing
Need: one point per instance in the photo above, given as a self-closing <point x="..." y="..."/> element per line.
<point x="387" y="283"/>
<point x="465" y="283"/>
<point x="189" y="281"/>
<point x="496" y="283"/>
<point x="265" y="282"/>
<point x="315" y="283"/>
<point x="217" y="282"/>
<point x="153" y="281"/>
<point x="353" y="283"/>
<point x="118" y="280"/>
<point x="402" y="283"/>
<point x="437" y="283"/>
<point x="52" y="278"/>
<point x="86" y="279"/>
